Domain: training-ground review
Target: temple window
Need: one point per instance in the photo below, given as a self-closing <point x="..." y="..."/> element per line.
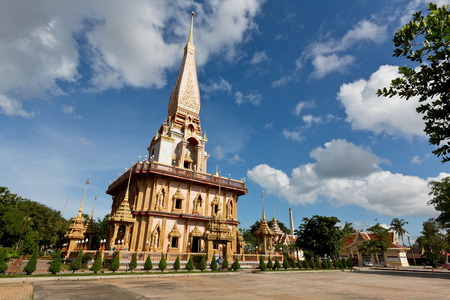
<point x="174" y="243"/>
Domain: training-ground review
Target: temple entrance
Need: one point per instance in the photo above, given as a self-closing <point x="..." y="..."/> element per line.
<point x="196" y="244"/>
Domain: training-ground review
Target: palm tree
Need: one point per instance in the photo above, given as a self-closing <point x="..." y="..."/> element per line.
<point x="397" y="226"/>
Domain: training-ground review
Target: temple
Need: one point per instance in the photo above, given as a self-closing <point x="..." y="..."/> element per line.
<point x="168" y="202"/>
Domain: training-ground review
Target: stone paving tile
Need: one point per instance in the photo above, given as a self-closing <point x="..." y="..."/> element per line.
<point x="16" y="291"/>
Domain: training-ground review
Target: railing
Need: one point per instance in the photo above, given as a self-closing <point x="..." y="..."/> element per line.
<point x="147" y="166"/>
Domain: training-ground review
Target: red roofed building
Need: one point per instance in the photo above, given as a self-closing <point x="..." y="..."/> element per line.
<point x="395" y="255"/>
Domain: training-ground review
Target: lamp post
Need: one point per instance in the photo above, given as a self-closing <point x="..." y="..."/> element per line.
<point x="146" y="246"/>
<point x="85" y="244"/>
<point x="256" y="250"/>
<point x="121" y="247"/>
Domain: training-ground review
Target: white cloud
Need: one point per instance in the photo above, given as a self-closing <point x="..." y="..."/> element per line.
<point x="259" y="57"/>
<point x="294" y="135"/>
<point x="324" y="57"/>
<point x="269" y="125"/>
<point x="324" y="65"/>
<point x="126" y="44"/>
<point x="218" y="153"/>
<point x="215" y="86"/>
<point x="282" y="81"/>
<point x="300" y="105"/>
<point x="310" y="119"/>
<point x="67" y="109"/>
<point x="12" y="107"/>
<point x="356" y="181"/>
<point x="236" y="159"/>
<point x="253" y="98"/>
<point x="366" y="111"/>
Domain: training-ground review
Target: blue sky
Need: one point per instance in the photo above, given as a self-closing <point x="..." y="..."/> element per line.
<point x="287" y="102"/>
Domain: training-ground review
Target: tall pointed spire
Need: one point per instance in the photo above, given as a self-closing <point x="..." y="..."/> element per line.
<point x="274" y="218"/>
<point x="191" y="39"/>
<point x="92" y="213"/>
<point x="264" y="213"/>
<point x="80" y="212"/>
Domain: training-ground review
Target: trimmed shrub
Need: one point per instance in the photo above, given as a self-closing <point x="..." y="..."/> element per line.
<point x="317" y="263"/>
<point x="299" y="263"/>
<point x="190" y="264"/>
<point x="277" y="264"/>
<point x="31" y="265"/>
<point x="269" y="263"/>
<point x="311" y="264"/>
<point x="236" y="266"/>
<point x="76" y="263"/>
<point x="324" y="264"/>
<point x="293" y="263"/>
<point x="115" y="265"/>
<point x="162" y="263"/>
<point x="97" y="265"/>
<point x="3" y="262"/>
<point x="350" y="263"/>
<point x="344" y="263"/>
<point x="148" y="265"/>
<point x="55" y="265"/>
<point x="202" y="264"/>
<point x="176" y="264"/>
<point x="285" y="263"/>
<point x="262" y="264"/>
<point x="133" y="263"/>
<point x="213" y="264"/>
<point x="225" y="265"/>
<point x="329" y="263"/>
<point x="85" y="258"/>
<point x="305" y="264"/>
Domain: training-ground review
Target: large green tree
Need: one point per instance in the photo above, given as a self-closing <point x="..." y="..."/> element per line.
<point x="397" y="226"/>
<point x="379" y="241"/>
<point x="434" y="239"/>
<point x="441" y="199"/>
<point x="321" y="236"/>
<point x="425" y="41"/>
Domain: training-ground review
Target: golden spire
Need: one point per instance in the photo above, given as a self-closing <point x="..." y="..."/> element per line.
<point x="92" y="213"/>
<point x="274" y="218"/>
<point x="264" y="214"/>
<point x="191" y="39"/>
<point x="80" y="212"/>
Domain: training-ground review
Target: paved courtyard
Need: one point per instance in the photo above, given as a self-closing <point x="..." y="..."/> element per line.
<point x="245" y="285"/>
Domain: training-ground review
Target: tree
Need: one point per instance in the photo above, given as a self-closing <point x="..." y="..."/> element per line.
<point x="379" y="243"/>
<point x="348" y="229"/>
<point x="262" y="264"/>
<point x="344" y="263"/>
<point x="32" y="263"/>
<point x="76" y="263"/>
<point x="55" y="265"/>
<point x="190" y="264"/>
<point x="202" y="264"/>
<point x="441" y="199"/>
<point x="305" y="264"/>
<point x="133" y="263"/>
<point x="148" y="265"/>
<point x="213" y="264"/>
<point x="285" y="262"/>
<point x="162" y="263"/>
<point x="397" y="226"/>
<point x="98" y="263"/>
<point x="3" y="262"/>
<point x="277" y="264"/>
<point x="225" y="263"/>
<point x="350" y="263"/>
<point x="115" y="265"/>
<point x="321" y="236"/>
<point x="425" y="40"/>
<point x="235" y="265"/>
<point x="434" y="240"/>
<point x="269" y="263"/>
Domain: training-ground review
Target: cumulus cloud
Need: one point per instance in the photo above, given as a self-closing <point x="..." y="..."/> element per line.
<point x="67" y="109"/>
<point x="301" y="105"/>
<point x="366" y="111"/>
<point x="282" y="81"/>
<point x="253" y="98"/>
<point x="346" y="174"/>
<point x="122" y="44"/>
<point x="310" y="119"/>
<point x="324" y="56"/>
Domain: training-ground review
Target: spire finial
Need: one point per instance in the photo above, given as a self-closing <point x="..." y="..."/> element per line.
<point x="274" y="218"/>
<point x="80" y="212"/>
<point x="264" y="214"/>
<point x="191" y="39"/>
<point x="92" y="213"/>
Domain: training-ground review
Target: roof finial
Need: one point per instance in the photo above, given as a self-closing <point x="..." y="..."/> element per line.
<point x="274" y="219"/>
<point x="80" y="212"/>
<point x="191" y="39"/>
<point x="264" y="214"/>
<point x="92" y="213"/>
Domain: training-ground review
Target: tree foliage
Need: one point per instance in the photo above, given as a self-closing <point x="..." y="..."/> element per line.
<point x="148" y="265"/>
<point x="277" y="264"/>
<point x="397" y="226"/>
<point x="202" y="264"/>
<point x="115" y="265"/>
<point x="30" y="267"/>
<point x="213" y="264"/>
<point x="235" y="265"/>
<point x="225" y="265"/>
<point x="425" y="41"/>
<point x="379" y="243"/>
<point x="441" y="199"/>
<point x="262" y="264"/>
<point x="162" y="263"/>
<point x="269" y="263"/>
<point x="98" y="263"/>
<point x="133" y="263"/>
<point x="76" y="263"/>
<point x="321" y="236"/>
<point x="434" y="240"/>
<point x="190" y="265"/>
<point x="55" y="265"/>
